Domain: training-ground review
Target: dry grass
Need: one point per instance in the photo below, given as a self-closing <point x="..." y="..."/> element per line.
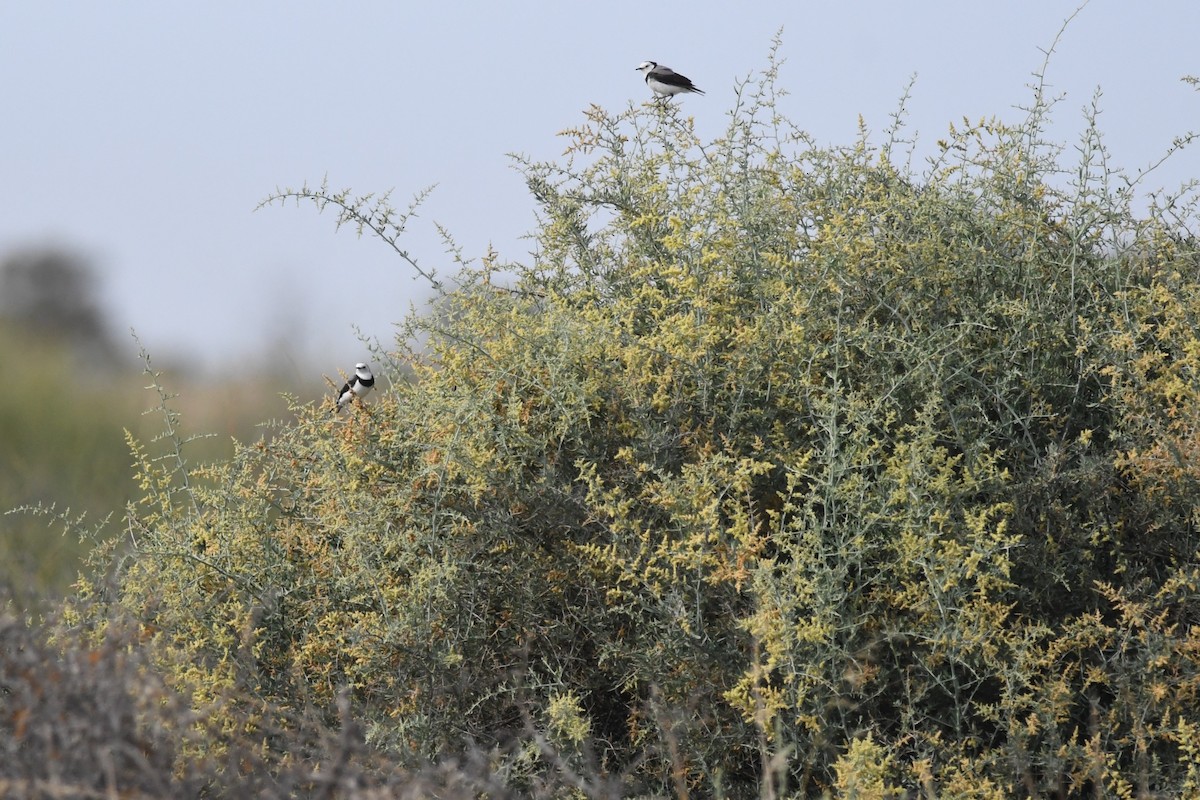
<point x="86" y="715"/>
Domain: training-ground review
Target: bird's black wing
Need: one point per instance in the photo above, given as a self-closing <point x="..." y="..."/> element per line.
<point x="671" y="78"/>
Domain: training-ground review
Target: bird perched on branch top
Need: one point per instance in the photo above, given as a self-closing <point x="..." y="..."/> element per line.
<point x="665" y="81"/>
<point x="357" y="386"/>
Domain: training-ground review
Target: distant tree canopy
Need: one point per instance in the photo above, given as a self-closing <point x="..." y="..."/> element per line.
<point x="780" y="468"/>
<point x="51" y="293"/>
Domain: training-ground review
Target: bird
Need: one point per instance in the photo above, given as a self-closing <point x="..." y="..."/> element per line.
<point x="665" y="81"/>
<point x="358" y="386"/>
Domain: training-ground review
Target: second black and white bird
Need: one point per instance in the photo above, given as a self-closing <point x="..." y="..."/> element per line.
<point x="664" y="81"/>
<point x="357" y="386"/>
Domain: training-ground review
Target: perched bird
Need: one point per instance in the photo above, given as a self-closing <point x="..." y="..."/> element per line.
<point x="665" y="81"/>
<point x="359" y="385"/>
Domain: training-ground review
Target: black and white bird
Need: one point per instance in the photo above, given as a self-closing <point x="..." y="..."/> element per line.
<point x="664" y="81"/>
<point x="358" y="386"/>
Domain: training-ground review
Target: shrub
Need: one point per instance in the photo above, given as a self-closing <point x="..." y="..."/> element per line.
<point x="780" y="469"/>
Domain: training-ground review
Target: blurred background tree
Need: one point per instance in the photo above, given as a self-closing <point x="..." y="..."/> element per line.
<point x="62" y="419"/>
<point x="52" y="295"/>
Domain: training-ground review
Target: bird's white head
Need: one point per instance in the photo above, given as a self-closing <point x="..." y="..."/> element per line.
<point x="645" y="66"/>
<point x="361" y="370"/>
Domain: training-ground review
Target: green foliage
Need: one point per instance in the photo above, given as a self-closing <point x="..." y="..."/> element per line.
<point x="61" y="441"/>
<point x="779" y="469"/>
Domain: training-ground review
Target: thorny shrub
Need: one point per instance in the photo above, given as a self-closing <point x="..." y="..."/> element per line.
<point x="780" y="468"/>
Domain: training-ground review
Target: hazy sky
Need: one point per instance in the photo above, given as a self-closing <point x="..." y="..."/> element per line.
<point x="143" y="134"/>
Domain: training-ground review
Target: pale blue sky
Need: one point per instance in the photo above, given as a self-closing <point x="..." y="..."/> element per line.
<point x="143" y="134"/>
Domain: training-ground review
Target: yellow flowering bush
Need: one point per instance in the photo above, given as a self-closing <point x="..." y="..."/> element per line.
<point x="776" y="464"/>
